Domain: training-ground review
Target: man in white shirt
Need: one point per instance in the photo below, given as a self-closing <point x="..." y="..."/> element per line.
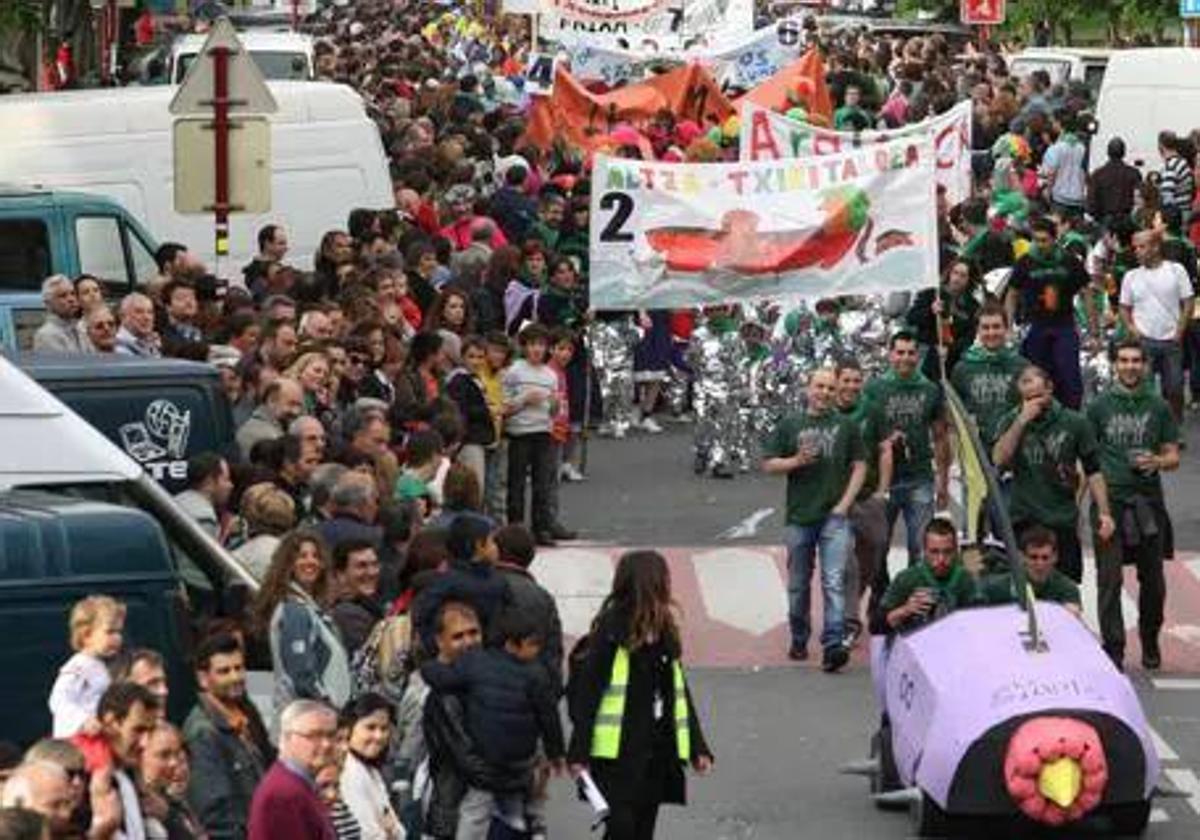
<point x="1156" y="304"/>
<point x="59" y="333"/>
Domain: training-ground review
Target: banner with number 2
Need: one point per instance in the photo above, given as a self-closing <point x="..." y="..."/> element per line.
<point x="679" y="235"/>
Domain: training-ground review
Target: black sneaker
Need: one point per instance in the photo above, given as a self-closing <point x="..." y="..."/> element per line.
<point x="798" y="654"/>
<point x="721" y="471"/>
<point x="560" y="532"/>
<point x="545" y="539"/>
<point x="1151" y="655"/>
<point x="835" y="659"/>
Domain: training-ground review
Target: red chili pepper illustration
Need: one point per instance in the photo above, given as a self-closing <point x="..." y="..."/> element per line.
<point x="739" y="246"/>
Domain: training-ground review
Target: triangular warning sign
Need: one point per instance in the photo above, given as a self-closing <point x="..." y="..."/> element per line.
<point x="248" y="91"/>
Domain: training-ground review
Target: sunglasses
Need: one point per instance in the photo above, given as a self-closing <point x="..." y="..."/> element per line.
<point x="358" y="360"/>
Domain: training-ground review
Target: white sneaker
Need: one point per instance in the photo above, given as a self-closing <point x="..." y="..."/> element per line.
<point x="570" y="472"/>
<point x="649" y="425"/>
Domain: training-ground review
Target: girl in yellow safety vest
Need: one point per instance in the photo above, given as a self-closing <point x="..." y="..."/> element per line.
<point x="635" y="726"/>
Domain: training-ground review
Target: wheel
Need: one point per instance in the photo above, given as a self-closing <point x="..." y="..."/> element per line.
<point x="1129" y="819"/>
<point x="888" y="778"/>
<point x="928" y="819"/>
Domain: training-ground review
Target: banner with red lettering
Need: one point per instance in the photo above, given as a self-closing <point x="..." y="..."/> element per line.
<point x="582" y="119"/>
<point x="766" y="135"/>
<point x="739" y="63"/>
<point x="677" y="235"/>
<point x="645" y="24"/>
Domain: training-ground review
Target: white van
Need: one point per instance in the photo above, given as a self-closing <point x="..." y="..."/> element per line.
<point x="1064" y="64"/>
<point x="1146" y="91"/>
<point x="326" y="160"/>
<point x="280" y="56"/>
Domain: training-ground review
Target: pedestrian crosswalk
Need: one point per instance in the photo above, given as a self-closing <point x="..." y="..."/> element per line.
<point x="733" y="600"/>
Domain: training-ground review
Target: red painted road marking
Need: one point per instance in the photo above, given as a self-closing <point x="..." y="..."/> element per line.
<point x="733" y="602"/>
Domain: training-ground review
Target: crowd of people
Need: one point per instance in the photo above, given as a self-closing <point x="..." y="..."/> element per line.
<point x="396" y="406"/>
<point x="443" y="721"/>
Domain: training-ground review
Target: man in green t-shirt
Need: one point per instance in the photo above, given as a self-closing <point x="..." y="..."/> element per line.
<point x="821" y="453"/>
<point x="937" y="585"/>
<point x="914" y="418"/>
<point x="1039" y="547"/>
<point x="868" y="514"/>
<point x="1045" y="444"/>
<point x="1138" y="440"/>
<point x="986" y="376"/>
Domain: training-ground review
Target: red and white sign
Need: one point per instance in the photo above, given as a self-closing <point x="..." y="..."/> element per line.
<point x="982" y="12"/>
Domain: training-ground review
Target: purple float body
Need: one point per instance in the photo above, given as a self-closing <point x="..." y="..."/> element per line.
<point x="946" y="685"/>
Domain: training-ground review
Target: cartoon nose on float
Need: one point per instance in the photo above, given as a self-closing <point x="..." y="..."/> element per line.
<point x="1055" y="769"/>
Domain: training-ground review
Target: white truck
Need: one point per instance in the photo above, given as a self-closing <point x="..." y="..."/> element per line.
<point x="327" y="159"/>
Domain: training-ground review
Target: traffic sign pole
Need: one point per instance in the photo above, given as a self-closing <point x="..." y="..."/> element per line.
<point x="220" y="59"/>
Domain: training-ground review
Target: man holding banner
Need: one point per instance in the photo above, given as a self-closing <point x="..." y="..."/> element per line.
<point x="673" y="235"/>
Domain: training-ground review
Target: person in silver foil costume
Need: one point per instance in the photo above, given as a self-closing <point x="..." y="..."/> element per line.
<point x="718" y="360"/>
<point x="612" y="342"/>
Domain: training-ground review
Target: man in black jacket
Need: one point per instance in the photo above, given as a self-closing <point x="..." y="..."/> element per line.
<point x="227" y="739"/>
<point x="357" y="609"/>
<point x="1113" y="185"/>
<point x="510" y="707"/>
<point x="515" y="546"/>
<point x="455" y="763"/>
<point x="512" y="209"/>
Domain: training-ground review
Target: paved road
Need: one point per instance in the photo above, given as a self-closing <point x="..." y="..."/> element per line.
<point x="781" y="734"/>
<point x="780" y="731"/>
<point x="641" y="491"/>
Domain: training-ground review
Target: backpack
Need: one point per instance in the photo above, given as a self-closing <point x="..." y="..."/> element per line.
<point x="383" y="664"/>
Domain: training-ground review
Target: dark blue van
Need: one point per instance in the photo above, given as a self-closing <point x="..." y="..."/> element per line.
<point x="56" y="550"/>
<point x="160" y="412"/>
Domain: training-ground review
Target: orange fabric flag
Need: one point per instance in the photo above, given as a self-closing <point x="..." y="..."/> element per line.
<point x="584" y="119"/>
<point x="803" y="79"/>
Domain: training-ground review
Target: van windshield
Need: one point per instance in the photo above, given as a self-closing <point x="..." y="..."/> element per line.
<point x="278" y="65"/>
<point x="24" y="254"/>
<point x="1059" y="70"/>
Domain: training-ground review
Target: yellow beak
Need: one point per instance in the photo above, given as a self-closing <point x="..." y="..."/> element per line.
<point x="1060" y="781"/>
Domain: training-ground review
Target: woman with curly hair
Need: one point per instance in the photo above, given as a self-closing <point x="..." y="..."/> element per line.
<point x="307" y="655"/>
<point x="451" y="311"/>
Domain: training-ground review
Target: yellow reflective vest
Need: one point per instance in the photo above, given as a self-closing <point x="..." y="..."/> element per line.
<point x="606" y="733"/>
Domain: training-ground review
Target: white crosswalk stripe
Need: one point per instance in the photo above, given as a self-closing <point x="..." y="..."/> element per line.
<point x="725" y="570"/>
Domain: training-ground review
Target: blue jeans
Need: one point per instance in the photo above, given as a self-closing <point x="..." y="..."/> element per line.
<point x="1165" y="359"/>
<point x="1191" y="348"/>
<point x="1055" y="349"/>
<point x="834" y="538"/>
<point x="915" y="500"/>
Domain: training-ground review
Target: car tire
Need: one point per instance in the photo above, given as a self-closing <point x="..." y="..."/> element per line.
<point x="888" y="778"/>
<point x="928" y="819"/>
<point x="1129" y="819"/>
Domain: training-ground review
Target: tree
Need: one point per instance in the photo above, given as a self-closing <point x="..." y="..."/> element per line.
<point x="21" y="16"/>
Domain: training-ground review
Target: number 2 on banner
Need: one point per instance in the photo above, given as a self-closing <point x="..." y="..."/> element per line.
<point x="623" y="205"/>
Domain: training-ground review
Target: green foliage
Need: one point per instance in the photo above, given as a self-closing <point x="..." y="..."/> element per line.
<point x="20" y="15"/>
<point x="1102" y="18"/>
